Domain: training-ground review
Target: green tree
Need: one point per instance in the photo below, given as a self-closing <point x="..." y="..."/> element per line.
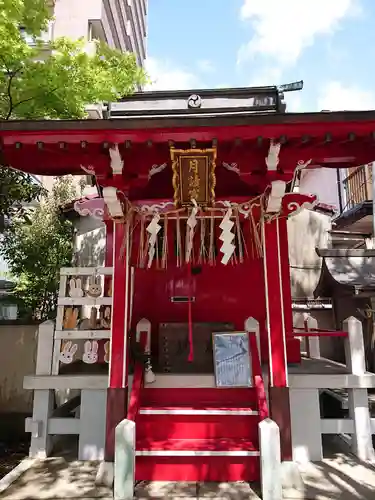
<point x="54" y="80"/>
<point x="37" y="249"/>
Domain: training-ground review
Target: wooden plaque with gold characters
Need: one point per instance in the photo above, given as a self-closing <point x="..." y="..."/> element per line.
<point x="193" y="176"/>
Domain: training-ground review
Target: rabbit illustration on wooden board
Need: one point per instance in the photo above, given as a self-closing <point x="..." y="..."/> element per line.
<point x="67" y="353"/>
<point x="90" y="356"/>
<point x="75" y="288"/>
<point x="95" y="288"/>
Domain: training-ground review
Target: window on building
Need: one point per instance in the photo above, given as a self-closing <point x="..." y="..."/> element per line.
<point x="45" y="36"/>
<point x="96" y="31"/>
<point x="8" y="312"/>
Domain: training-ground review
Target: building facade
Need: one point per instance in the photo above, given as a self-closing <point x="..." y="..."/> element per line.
<point x="120" y="23"/>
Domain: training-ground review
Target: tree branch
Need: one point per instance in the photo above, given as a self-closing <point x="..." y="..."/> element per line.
<point x="11" y="74"/>
<point x="32" y="98"/>
<point x="10" y="98"/>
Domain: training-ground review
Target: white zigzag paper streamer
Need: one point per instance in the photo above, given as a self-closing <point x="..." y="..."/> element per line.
<point x="227" y="237"/>
<point x="191" y="223"/>
<point x="153" y="228"/>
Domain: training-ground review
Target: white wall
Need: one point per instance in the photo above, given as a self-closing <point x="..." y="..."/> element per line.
<point x="89" y="245"/>
<point x="323" y="183"/>
<point x="306" y="231"/>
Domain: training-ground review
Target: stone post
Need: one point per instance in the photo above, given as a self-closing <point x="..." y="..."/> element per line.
<point x="124" y="460"/>
<point x="41" y="442"/>
<point x="313" y="342"/>
<point x="358" y="398"/>
<point x="270" y="460"/>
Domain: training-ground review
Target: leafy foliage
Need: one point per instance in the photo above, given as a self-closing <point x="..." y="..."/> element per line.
<point x="51" y="80"/>
<point x="35" y="251"/>
<point x="56" y="79"/>
<point x="16" y="190"/>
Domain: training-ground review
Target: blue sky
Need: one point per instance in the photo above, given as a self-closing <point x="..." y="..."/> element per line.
<point x="330" y="44"/>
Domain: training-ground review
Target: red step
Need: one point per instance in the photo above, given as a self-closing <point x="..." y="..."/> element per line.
<point x="198" y="426"/>
<point x="197" y="435"/>
<point x="197" y="460"/>
<point x="206" y="397"/>
<point x="199" y="408"/>
<point x="210" y="446"/>
<point x="210" y="469"/>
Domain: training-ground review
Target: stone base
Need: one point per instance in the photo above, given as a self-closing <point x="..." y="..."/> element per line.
<point x="165" y="489"/>
<point x="180" y="490"/>
<point x="280" y="413"/>
<point x="105" y="475"/>
<point x="117" y="408"/>
<point x="230" y="491"/>
<point x="291" y="477"/>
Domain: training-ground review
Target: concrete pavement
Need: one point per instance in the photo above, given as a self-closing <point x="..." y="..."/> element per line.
<point x="340" y="477"/>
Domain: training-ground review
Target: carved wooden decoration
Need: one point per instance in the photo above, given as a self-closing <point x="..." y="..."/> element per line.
<point x="107" y="351"/>
<point x="193" y="176"/>
<point x="70" y="318"/>
<point x="109" y="289"/>
<point x="105" y="318"/>
<point x="93" y="318"/>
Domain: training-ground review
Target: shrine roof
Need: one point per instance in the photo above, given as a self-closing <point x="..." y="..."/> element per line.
<point x="212" y="102"/>
<point x="297" y="123"/>
<point x="351" y="270"/>
<point x="57" y="147"/>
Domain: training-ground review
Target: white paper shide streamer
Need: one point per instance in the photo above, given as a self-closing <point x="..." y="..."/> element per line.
<point x="191" y="224"/>
<point x="153" y="228"/>
<point x="227" y="237"/>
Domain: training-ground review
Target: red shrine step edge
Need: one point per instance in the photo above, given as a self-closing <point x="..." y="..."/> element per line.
<point x="187" y="446"/>
<point x="202" y="468"/>
<point x="258" y="378"/>
<point x="138" y="383"/>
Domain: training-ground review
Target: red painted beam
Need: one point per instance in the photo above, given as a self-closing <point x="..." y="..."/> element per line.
<point x="275" y="288"/>
<point x="294" y="128"/>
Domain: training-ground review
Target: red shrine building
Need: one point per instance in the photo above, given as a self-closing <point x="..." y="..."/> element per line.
<point x="187" y="331"/>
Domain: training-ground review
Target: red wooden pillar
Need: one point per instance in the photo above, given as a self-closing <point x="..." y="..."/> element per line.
<point x="109" y="228"/>
<point x="277" y="286"/>
<point x="117" y="392"/>
<point x="108" y="262"/>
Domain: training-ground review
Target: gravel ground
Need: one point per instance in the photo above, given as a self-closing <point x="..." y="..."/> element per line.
<point x="11" y="455"/>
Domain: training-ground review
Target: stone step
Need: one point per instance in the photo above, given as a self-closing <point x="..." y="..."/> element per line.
<point x="182" y="490"/>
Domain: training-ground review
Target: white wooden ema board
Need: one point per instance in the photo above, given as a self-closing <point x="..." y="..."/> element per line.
<point x="232" y="359"/>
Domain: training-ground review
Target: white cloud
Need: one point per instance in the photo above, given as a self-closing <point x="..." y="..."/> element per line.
<point x="335" y="96"/>
<point x="294" y="103"/>
<point x="266" y="76"/>
<point x="223" y="85"/>
<point x="165" y="75"/>
<point x="205" y="66"/>
<point x="284" y="28"/>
